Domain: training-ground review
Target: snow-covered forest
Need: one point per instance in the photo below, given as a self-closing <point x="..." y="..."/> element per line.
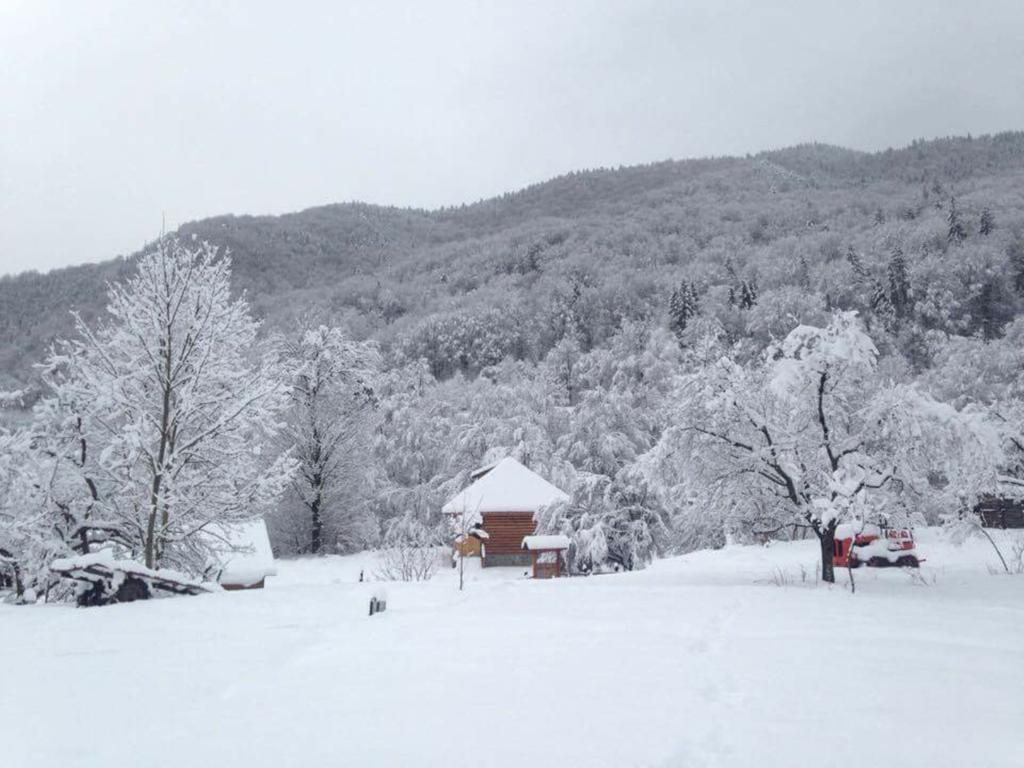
<point x="605" y="384"/>
<point x="703" y="352"/>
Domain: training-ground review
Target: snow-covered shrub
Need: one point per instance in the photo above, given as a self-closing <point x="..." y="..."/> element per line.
<point x="410" y="551"/>
<point x="1017" y="556"/>
<point x="613" y="524"/>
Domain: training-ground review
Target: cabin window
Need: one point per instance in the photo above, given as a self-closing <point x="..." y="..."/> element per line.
<point x="547" y="558"/>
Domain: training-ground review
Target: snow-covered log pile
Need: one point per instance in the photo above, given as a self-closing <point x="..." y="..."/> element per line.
<point x="102" y="580"/>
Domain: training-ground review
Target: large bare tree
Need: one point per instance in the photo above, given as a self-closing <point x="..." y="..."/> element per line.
<point x="329" y="429"/>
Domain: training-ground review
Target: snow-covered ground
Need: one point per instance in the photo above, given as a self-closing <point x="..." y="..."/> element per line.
<point x="702" y="660"/>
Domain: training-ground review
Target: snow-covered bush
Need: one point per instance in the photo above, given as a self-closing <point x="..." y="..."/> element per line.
<point x="612" y="524"/>
<point x="410" y="551"/>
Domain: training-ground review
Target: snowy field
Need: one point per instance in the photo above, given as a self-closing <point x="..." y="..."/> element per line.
<point x="702" y="660"/>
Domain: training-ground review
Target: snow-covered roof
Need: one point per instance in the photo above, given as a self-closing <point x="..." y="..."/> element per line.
<point x="479" y="472"/>
<point x="551" y="541"/>
<point x="255" y="562"/>
<point x="507" y="487"/>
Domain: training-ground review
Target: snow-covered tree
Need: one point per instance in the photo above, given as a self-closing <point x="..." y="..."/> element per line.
<point x="956" y="233"/>
<point x="157" y="418"/>
<point x="987" y="222"/>
<point x="684" y="304"/>
<point x="984" y="379"/>
<point x="18" y="509"/>
<point x="329" y="431"/>
<point x="812" y="435"/>
<point x="1015" y="254"/>
<point x="898" y="281"/>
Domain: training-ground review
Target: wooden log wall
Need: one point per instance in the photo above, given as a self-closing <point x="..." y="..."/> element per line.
<point x="506" y="530"/>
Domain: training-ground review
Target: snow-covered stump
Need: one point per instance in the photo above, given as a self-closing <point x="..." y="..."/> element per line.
<point x="102" y="580"/>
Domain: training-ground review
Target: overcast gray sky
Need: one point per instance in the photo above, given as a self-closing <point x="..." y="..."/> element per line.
<point x="114" y="114"/>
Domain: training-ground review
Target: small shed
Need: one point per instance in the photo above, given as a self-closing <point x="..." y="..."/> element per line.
<point x="244" y="554"/>
<point x="546" y="554"/>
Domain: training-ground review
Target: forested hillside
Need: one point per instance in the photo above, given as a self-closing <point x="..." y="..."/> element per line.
<point x="464" y="287"/>
<point x="578" y="324"/>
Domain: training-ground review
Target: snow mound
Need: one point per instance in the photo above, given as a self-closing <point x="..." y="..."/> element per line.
<point x="244" y="553"/>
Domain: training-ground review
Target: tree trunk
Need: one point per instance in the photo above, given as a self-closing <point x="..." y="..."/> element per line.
<point x="826" y="538"/>
<point x="152" y="548"/>
<point x="316" y="528"/>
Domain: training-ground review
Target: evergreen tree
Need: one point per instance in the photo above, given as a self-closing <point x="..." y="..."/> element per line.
<point x="899" y="283"/>
<point x="684" y="304"/>
<point x="748" y="294"/>
<point x="957" y="234"/>
<point x="1016" y="256"/>
<point x="987" y="223"/>
<point x="859" y="270"/>
<point x="916" y="349"/>
<point x="991" y="310"/>
<point x="804" y="274"/>
<point x="881" y="306"/>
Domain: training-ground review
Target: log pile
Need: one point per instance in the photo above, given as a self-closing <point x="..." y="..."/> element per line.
<point x="102" y="580"/>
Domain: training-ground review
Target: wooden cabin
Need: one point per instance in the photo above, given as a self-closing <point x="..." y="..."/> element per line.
<point x="502" y="501"/>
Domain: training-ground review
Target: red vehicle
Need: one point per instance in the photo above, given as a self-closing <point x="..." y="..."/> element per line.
<point x="871" y="545"/>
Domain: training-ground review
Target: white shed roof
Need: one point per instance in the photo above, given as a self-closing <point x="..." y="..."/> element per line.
<point x="254" y="562"/>
<point x="550" y="541"/>
<point x="508" y="487"/>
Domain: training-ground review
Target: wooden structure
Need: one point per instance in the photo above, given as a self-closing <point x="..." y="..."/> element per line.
<point x="505" y="531"/>
<point x="1000" y="512"/>
<point x="469" y="546"/>
<point x="546" y="554"/>
<point x="501" y="502"/>
<point x="231" y="587"/>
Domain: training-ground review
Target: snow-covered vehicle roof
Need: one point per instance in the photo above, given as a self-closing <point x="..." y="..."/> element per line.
<point x="254" y="562"/>
<point x="507" y="487"/>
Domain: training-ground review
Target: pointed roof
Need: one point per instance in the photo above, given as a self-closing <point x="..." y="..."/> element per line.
<point x="507" y="487"/>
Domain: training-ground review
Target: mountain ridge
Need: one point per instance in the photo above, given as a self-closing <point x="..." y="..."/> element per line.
<point x="358" y="263"/>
